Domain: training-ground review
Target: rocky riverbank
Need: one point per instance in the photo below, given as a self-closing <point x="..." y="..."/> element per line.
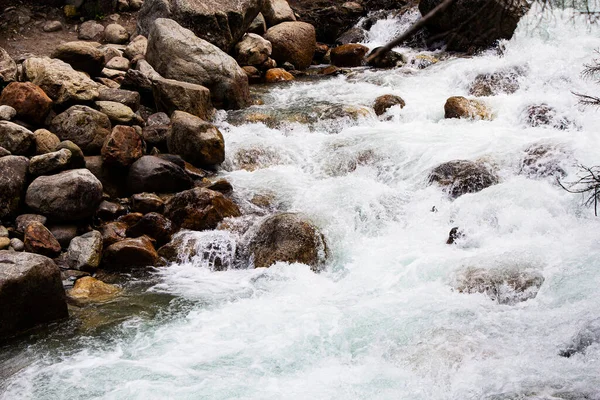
<point x="108" y="156"/>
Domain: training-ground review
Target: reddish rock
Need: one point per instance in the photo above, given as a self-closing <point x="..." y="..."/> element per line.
<point x="39" y="240"/>
<point x="294" y="42"/>
<point x="278" y="75"/>
<point x="122" y="147"/>
<point x="349" y="55"/>
<point x="29" y="100"/>
<point x="113" y="232"/>
<point x="383" y="103"/>
<point x="130" y="253"/>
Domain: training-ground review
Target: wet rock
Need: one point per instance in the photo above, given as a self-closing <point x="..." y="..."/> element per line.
<point x="353" y="35"/>
<point x="82" y="56"/>
<point x="461" y="107"/>
<point x="383" y="103"/>
<point x="8" y="68"/>
<point x="59" y="80"/>
<point x="122" y="147"/>
<point x="215" y="250"/>
<point x="500" y="22"/>
<point x="45" y="141"/>
<point x="130" y="253"/>
<point x="13" y="181"/>
<point x="289" y="238"/>
<point x="137" y="47"/>
<point x="254" y="75"/>
<point x="29" y="101"/>
<point x="118" y="63"/>
<point x="171" y="95"/>
<point x="67" y="196"/>
<point x="153" y="174"/>
<point x="109" y="210"/>
<point x="176" y="53"/>
<point x="15" y="138"/>
<point x="113" y="232"/>
<point x="503" y="81"/>
<point x="391" y="59"/>
<point x="49" y="163"/>
<point x="258" y="25"/>
<point x="63" y="233"/>
<point x="542" y="161"/>
<point x="17" y="244"/>
<point x="85" y="251"/>
<point x="31" y="292"/>
<point x="422" y="61"/>
<point x="7" y="113"/>
<point x="23" y="221"/>
<point x="84" y="126"/>
<point x="278" y="75"/>
<point x="90" y="30"/>
<point x="116" y="112"/>
<point x="128" y="98"/>
<point x="77" y="159"/>
<point x="220" y="22"/>
<point x="92" y="290"/>
<point x="349" y="55"/>
<point x="294" y="42"/>
<point x="270" y="63"/>
<point x="115" y="33"/>
<point x="459" y="177"/>
<point x="455" y="234"/>
<point x="154" y="225"/>
<point x="199" y="209"/>
<point x="506" y="285"/>
<point x="131" y="219"/>
<point x="52" y="26"/>
<point x="146" y="203"/>
<point x="588" y="335"/>
<point x="544" y="115"/>
<point x="195" y="140"/>
<point x="39" y="240"/>
<point x="252" y="50"/>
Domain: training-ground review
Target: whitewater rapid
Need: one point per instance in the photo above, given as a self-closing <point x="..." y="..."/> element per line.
<point x="382" y="321"/>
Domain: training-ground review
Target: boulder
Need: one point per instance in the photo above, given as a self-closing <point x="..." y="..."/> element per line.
<point x="130" y="253"/>
<point x="39" y="240"/>
<point x="503" y="81"/>
<point x="8" y="68"/>
<point x="67" y="196"/>
<point x="289" y="238"/>
<point x="461" y="176"/>
<point x="13" y="182"/>
<point x="29" y="101"/>
<point x="154" y="225"/>
<point x="391" y="59"/>
<point x="7" y="113"/>
<point x="116" y="34"/>
<point x="383" y="103"/>
<point x="122" y="147"/>
<point x="49" y="163"/>
<point x="252" y="50"/>
<point x="176" y="53"/>
<point x="147" y="203"/>
<point x="90" y="30"/>
<point x="31" y="292"/>
<point x="220" y="22"/>
<point x="113" y="232"/>
<point x="84" y="126"/>
<point x="128" y="98"/>
<point x="463" y="30"/>
<point x="45" y="141"/>
<point x="294" y="42"/>
<point x="278" y="75"/>
<point x="137" y="47"/>
<point x="461" y="107"/>
<point x="85" y="251"/>
<point x="171" y="95"/>
<point x="195" y="140"/>
<point x="349" y="55"/>
<point x="153" y="174"/>
<point x="199" y="209"/>
<point x="116" y="112"/>
<point x="15" y="138"/>
<point x="91" y="290"/>
<point x="277" y="11"/>
<point x="59" y="80"/>
<point x="503" y="285"/>
<point x="82" y="56"/>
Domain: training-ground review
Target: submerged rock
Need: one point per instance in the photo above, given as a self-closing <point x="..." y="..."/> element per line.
<point x="542" y="161"/>
<point x="289" y="238"/>
<point x="461" y="107"/>
<point x="461" y="176"/>
<point x="503" y="81"/>
<point x="383" y="103"/>
<point x="544" y="115"/>
<point x="588" y="335"/>
<point x="31" y="292"/>
<point x="215" y="250"/>
<point x="88" y="289"/>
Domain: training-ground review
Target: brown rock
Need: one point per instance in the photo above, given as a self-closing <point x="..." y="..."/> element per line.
<point x="122" y="147"/>
<point x="84" y="126"/>
<point x="88" y="289"/>
<point x="146" y="203"/>
<point x="195" y="140"/>
<point x="171" y="95"/>
<point x="29" y="100"/>
<point x="23" y="220"/>
<point x="130" y="253"/>
<point x="383" y="103"/>
<point x="460" y="107"/>
<point x="109" y="211"/>
<point x="154" y="225"/>
<point x="294" y="42"/>
<point x="39" y="240"/>
<point x="113" y="232"/>
<point x="199" y="209"/>
<point x="459" y="177"/>
<point x="82" y="56"/>
<point x="45" y="141"/>
<point x="349" y="55"/>
<point x="278" y="75"/>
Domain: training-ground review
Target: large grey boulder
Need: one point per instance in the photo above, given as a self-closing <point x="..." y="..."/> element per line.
<point x="15" y="138"/>
<point x="462" y="30"/>
<point x="293" y="42"/>
<point x="59" y="80"/>
<point x="31" y="292"/>
<point x="13" y="181"/>
<point x="220" y="22"/>
<point x="8" y="68"/>
<point x="67" y="196"/>
<point x="176" y="53"/>
<point x="195" y="140"/>
<point x="84" y="126"/>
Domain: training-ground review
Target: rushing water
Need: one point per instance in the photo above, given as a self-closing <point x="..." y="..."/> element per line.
<point x="382" y="321"/>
